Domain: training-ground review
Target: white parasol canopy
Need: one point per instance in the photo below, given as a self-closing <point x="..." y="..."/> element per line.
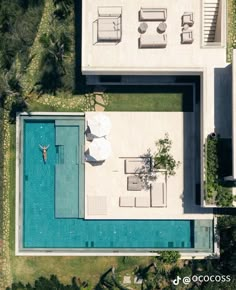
<point x="100" y="149"/>
<point x="99" y="125"/>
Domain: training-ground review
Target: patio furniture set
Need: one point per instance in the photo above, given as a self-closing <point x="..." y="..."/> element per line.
<point x="109" y="26"/>
<point x="146" y="16"/>
<point x="154" y="196"/>
<point x="187" y="33"/>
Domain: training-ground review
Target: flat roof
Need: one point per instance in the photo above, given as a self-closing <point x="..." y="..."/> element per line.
<point x="125" y="55"/>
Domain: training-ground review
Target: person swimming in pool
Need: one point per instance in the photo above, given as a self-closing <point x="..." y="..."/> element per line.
<point x="44" y="151"/>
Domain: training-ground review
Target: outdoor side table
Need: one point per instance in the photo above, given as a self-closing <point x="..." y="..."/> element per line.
<point x="162" y="27"/>
<point x="143" y="27"/>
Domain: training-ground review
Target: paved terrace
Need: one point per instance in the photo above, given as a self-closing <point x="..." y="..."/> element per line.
<point x="126" y="56"/>
<point x="132" y="135"/>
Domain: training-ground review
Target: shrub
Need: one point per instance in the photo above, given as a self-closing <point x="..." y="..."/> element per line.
<point x="224" y="197"/>
<point x="212" y="165"/>
<point x="169" y="257"/>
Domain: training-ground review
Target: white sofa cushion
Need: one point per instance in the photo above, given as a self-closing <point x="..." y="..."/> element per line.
<point x="157" y="14"/>
<point x="153" y="40"/>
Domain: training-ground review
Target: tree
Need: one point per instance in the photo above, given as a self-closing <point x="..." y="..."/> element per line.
<point x="163" y="159"/>
<point x="52" y="67"/>
<point x="63" y="8"/>
<point x="226" y="228"/>
<point x="154" y="276"/>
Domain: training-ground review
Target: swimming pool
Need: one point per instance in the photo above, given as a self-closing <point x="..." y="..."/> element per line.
<point x="49" y="224"/>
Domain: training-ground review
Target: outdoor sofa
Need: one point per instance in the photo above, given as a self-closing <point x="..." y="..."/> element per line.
<point x="158" y="194"/>
<point x="137" y="165"/>
<point x="109" y="11"/>
<point x="127" y="201"/>
<point x="153" y="41"/>
<point x="109" y="29"/>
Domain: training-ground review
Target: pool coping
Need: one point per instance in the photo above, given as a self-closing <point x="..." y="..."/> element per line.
<point x="20" y="251"/>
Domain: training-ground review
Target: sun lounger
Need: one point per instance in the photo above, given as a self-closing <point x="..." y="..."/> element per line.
<point x="127" y="201"/>
<point x="153" y="14"/>
<point x="142" y="201"/>
<point x="158" y="194"/>
<point x="153" y="41"/>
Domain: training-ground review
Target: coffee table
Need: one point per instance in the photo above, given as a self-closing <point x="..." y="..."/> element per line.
<point x="134" y="183"/>
<point x="143" y="27"/>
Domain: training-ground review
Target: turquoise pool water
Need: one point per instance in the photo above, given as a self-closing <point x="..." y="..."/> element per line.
<point x="43" y="229"/>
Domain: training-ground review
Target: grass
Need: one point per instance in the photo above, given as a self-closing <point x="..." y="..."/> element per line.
<point x="150" y="98"/>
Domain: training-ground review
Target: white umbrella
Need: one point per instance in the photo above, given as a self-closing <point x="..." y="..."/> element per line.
<point x="100" y="149"/>
<point x="99" y="125"/>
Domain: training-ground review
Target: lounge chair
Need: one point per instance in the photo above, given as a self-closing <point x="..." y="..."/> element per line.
<point x="158" y="194"/>
<point x="187" y="37"/>
<point x="187" y="18"/>
<point x="152" y="14"/>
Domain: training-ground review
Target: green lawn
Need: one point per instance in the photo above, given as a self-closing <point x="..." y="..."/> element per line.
<point x="150" y="98"/>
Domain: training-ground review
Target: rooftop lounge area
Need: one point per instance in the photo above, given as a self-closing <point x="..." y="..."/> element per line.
<point x="151" y="35"/>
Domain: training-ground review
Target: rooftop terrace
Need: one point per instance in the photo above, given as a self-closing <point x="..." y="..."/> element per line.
<point x="122" y="36"/>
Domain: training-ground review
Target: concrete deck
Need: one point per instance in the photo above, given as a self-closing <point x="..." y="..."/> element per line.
<point x="132" y="135"/>
<point x="99" y="57"/>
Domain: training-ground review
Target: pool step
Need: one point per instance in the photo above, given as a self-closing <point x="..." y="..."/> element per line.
<point x="60" y="154"/>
